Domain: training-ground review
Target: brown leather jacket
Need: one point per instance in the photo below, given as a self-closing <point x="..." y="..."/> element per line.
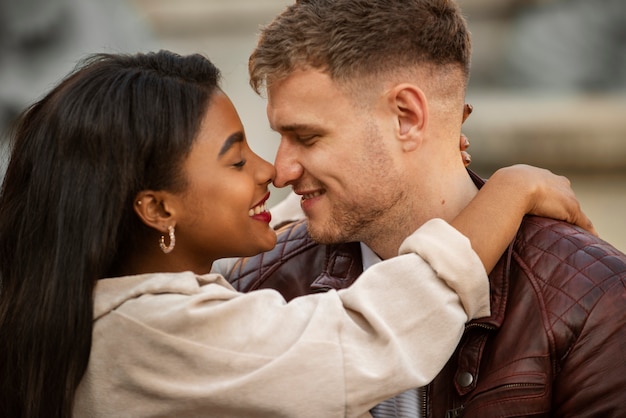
<point x="554" y="346"/>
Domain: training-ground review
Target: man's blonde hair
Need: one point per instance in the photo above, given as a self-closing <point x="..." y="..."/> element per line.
<point x="358" y="41"/>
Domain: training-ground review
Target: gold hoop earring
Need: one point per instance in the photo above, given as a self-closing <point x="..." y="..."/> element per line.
<point x="168" y="249"/>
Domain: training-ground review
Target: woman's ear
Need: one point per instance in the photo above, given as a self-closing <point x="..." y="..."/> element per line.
<point x="154" y="209"/>
<point x="409" y="105"/>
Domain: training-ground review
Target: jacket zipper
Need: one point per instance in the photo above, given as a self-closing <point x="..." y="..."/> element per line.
<point x="480" y="325"/>
<point x="521" y="385"/>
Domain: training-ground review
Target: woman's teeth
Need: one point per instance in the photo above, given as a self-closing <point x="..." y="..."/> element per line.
<point x="257" y="209"/>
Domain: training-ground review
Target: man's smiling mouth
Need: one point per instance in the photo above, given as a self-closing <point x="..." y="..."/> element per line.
<point x="306" y="196"/>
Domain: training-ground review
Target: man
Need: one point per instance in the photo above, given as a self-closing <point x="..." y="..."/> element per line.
<point x="368" y="98"/>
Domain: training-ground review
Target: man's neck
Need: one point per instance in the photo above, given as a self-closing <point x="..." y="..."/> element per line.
<point x="448" y="203"/>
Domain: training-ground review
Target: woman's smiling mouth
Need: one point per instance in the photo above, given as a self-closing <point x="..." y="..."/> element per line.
<point x="260" y="212"/>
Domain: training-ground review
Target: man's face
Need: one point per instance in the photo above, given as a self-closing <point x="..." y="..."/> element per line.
<point x="338" y="156"/>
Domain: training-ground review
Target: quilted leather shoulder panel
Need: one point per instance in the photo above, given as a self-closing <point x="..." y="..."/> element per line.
<point x="573" y="273"/>
<point x="292" y="240"/>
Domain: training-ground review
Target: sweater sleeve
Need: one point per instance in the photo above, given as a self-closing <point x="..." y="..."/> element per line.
<point x="442" y="284"/>
<point x="336" y="354"/>
<point x="463" y="274"/>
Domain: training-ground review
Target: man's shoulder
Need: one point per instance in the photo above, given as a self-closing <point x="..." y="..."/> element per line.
<point x="293" y="245"/>
<point x="549" y="237"/>
<point x="298" y="265"/>
<point x="566" y="257"/>
<point x="291" y="239"/>
<point x="563" y="291"/>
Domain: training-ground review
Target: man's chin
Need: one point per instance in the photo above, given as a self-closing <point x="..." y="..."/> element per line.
<point x="324" y="234"/>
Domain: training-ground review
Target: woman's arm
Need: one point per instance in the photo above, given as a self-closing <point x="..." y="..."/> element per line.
<point x="493" y="217"/>
<point x="190" y="344"/>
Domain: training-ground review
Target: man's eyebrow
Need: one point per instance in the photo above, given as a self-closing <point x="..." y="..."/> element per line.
<point x="230" y="141"/>
<point x="295" y="127"/>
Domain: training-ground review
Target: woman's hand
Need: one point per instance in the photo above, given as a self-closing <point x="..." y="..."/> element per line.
<point x="464" y="143"/>
<point x="465" y="156"/>
<point x="494" y="215"/>
<point x="548" y="194"/>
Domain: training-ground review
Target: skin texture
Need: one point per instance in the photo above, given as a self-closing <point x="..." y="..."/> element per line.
<point x="322" y="154"/>
<point x="355" y="165"/>
<point x="211" y="216"/>
<point x="360" y="169"/>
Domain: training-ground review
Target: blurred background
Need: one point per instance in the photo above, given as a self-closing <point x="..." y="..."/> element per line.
<point x="548" y="76"/>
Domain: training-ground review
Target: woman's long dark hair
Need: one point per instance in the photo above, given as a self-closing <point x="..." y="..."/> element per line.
<point x="117" y="125"/>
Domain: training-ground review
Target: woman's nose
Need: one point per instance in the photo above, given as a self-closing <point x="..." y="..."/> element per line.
<point x="265" y="172"/>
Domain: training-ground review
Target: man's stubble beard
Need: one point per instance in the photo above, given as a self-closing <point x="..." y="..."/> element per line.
<point x="375" y="210"/>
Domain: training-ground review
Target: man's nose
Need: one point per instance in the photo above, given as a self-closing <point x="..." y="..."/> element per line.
<point x="288" y="167"/>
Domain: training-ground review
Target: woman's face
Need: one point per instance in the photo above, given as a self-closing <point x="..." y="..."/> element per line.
<point x="221" y="212"/>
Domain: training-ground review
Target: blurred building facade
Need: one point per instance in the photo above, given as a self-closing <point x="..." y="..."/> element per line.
<point x="42" y="40"/>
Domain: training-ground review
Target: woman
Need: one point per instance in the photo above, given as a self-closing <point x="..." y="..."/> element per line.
<point x="125" y="183"/>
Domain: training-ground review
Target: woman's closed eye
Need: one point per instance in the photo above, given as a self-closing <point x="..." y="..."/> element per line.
<point x="240" y="164"/>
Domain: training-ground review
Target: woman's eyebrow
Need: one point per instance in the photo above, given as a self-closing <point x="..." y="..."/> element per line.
<point x="230" y="141"/>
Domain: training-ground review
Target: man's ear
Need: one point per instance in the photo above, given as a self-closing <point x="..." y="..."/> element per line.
<point x="409" y="105"/>
<point x="155" y="210"/>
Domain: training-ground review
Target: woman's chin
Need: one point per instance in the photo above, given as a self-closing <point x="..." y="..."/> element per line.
<point x="268" y="243"/>
<point x="261" y="244"/>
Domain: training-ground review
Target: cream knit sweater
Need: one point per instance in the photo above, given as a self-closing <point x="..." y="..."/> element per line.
<point x="183" y="345"/>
